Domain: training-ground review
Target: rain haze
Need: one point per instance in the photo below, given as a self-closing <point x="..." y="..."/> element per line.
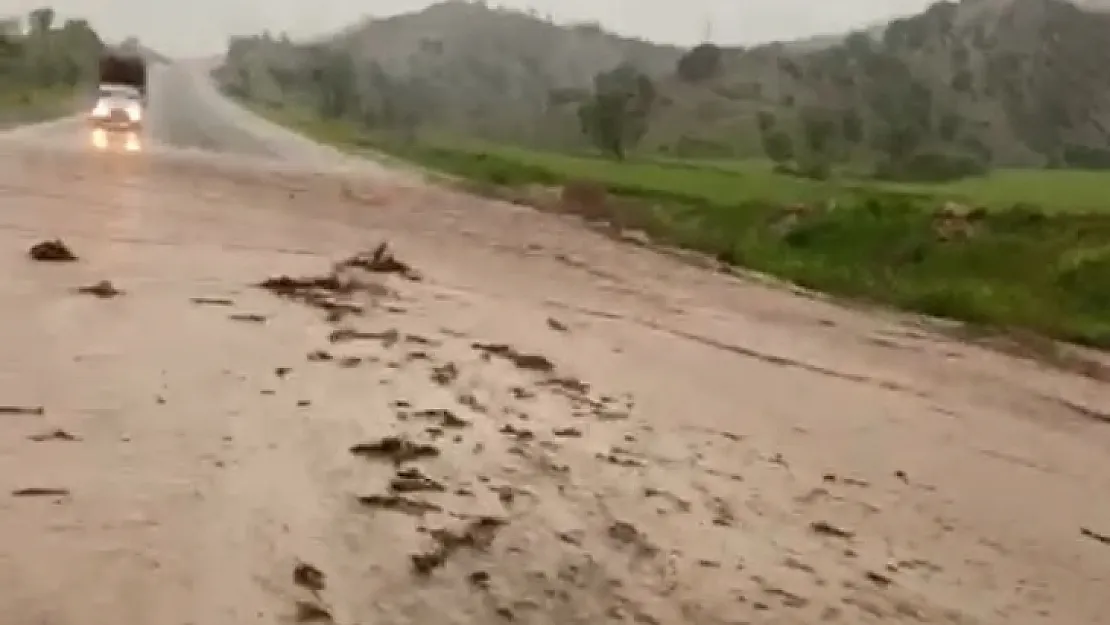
<point x="201" y="27"/>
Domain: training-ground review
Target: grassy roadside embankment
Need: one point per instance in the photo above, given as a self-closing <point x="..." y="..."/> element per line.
<point x="1026" y="251"/>
<point x="23" y="105"/>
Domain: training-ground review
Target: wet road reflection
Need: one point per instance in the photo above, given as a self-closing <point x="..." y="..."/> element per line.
<point x="126" y="141"/>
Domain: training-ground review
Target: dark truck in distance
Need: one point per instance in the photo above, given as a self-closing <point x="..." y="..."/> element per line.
<point x="121" y="93"/>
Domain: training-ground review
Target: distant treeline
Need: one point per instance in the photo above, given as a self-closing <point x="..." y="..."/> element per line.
<point x="43" y="54"/>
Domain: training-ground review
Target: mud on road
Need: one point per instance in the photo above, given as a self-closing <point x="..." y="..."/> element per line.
<point x="232" y="406"/>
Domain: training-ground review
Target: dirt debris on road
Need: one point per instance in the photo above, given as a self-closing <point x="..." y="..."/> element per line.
<point x="452" y="452"/>
<point x="310" y="612"/>
<point x="53" y="250"/>
<point x="396" y="449"/>
<point x="381" y="260"/>
<point x="335" y="291"/>
<point x="1096" y="536"/>
<point x="41" y="491"/>
<point x="212" y="301"/>
<point x="388" y="338"/>
<point x="54" y="435"/>
<point x="444" y="417"/>
<point x="827" y="529"/>
<point x="413" y="480"/>
<point x="22" y="410"/>
<point x="104" y="289"/>
<point x="399" y="503"/>
<point x="550" y="443"/>
<point x="308" y="576"/>
<point x="477" y="534"/>
<point x="530" y="362"/>
<point x="557" y="325"/>
<point x="248" y="317"/>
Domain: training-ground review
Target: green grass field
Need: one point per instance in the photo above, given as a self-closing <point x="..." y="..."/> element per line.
<point x="730" y="183"/>
<point x="1049" y="190"/>
<point x="717" y="182"/>
<point x="1037" y="258"/>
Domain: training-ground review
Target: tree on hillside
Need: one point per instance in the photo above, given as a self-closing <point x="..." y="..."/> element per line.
<point x="851" y="127"/>
<point x="48" y="56"/>
<point x="899" y="141"/>
<point x="778" y="146"/>
<point x="858" y="45"/>
<point x="11" y="60"/>
<point x="41" y="21"/>
<point x="615" y="117"/>
<point x="77" y="50"/>
<point x="334" y="76"/>
<point x="699" y="64"/>
<point x="409" y="103"/>
<point x="765" y="120"/>
<point x="818" y="132"/>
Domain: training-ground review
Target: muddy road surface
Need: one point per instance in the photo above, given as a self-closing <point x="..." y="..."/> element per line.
<point x="226" y="404"/>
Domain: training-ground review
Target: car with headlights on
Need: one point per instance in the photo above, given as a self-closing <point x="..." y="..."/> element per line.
<point x="117" y="107"/>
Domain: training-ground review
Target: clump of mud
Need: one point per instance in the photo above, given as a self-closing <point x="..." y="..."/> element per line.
<point x="334" y="291"/>
<point x="395" y="448"/>
<point x="530" y="362"/>
<point x="103" y="289"/>
<point x="55" y="251"/>
<point x="381" y="260"/>
<point x="478" y="534"/>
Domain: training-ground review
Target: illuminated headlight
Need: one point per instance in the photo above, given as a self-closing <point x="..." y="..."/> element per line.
<point x="134" y="113"/>
<point x="100" y="111"/>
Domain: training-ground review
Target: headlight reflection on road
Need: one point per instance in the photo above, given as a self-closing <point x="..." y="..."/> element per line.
<point x="100" y="139"/>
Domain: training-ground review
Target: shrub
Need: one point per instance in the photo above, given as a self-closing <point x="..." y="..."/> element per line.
<point x="931" y="167"/>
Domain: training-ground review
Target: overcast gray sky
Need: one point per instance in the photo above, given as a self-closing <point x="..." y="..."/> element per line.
<point x="197" y="27"/>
